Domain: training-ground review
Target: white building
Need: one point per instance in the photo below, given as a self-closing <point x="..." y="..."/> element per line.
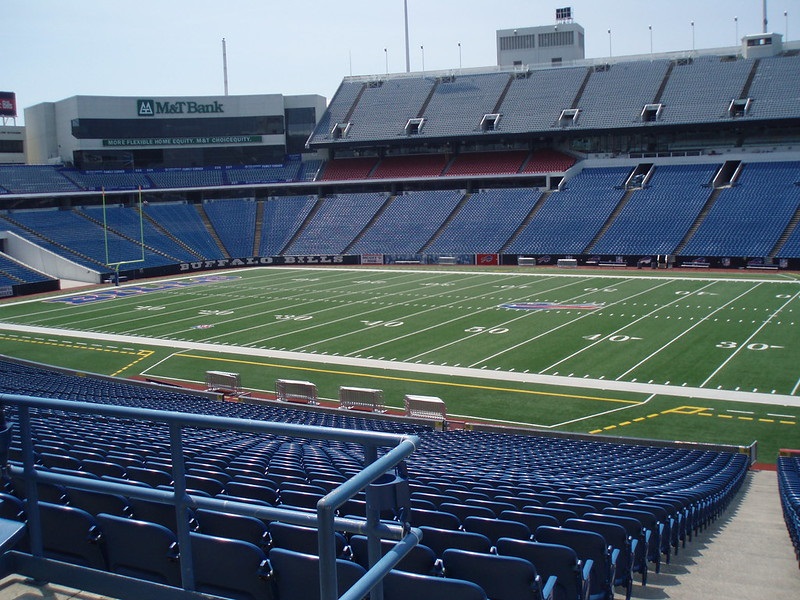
<point x="105" y="132"/>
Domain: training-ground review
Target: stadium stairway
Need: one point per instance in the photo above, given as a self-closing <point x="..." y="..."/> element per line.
<point x="746" y="553"/>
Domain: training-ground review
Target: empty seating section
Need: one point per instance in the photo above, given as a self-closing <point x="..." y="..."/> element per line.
<point x="69" y="230"/>
<point x="109" y="180"/>
<point x="403" y="167"/>
<point x="656" y="218"/>
<point x="184" y="222"/>
<point x="534" y="102"/>
<point x="342" y="169"/>
<point x="281" y="220"/>
<point x="127" y="222"/>
<point x="338" y="108"/>
<point x="235" y="224"/>
<point x="263" y="173"/>
<point x="385" y="107"/>
<point x="408" y="223"/>
<point x="547" y="161"/>
<point x="580" y="209"/>
<point x="34" y="180"/>
<point x="13" y="272"/>
<point x="789" y="488"/>
<point x="482" y="472"/>
<point x="185" y="178"/>
<point x="485" y="221"/>
<point x="309" y="170"/>
<point x="776" y="88"/>
<point x="458" y="105"/>
<point x="338" y="220"/>
<point x="487" y="163"/>
<point x="747" y="219"/>
<point x="615" y="95"/>
<point x="701" y="90"/>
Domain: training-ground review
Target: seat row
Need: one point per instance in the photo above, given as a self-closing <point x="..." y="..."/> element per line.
<point x="789" y="488"/>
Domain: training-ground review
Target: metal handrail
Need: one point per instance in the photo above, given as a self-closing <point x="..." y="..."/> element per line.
<point x="325" y="519"/>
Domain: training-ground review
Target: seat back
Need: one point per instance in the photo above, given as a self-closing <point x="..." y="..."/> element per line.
<point x="532" y="520"/>
<point x="494" y="529"/>
<point x="588" y="545"/>
<point x="551" y="560"/>
<point x="420" y="559"/>
<point x="99" y="502"/>
<point x="406" y="586"/>
<point x="434" y="518"/>
<point x="501" y="577"/>
<point x="232" y="526"/>
<point x="141" y="549"/>
<point x="296" y="575"/>
<point x="462" y="511"/>
<point x="72" y="535"/>
<point x="230" y="568"/>
<point x="440" y="540"/>
<point x="302" y="539"/>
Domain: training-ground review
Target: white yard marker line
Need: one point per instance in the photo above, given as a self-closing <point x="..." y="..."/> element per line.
<point x="604" y="338"/>
<point x="795" y="388"/>
<point x="747" y="341"/>
<point x="676" y="338"/>
<point x="607" y="412"/>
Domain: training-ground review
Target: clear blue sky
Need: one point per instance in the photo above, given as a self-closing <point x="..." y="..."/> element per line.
<point x="54" y="49"/>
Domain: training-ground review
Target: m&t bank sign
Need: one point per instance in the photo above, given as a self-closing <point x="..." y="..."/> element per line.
<point x="151" y="108"/>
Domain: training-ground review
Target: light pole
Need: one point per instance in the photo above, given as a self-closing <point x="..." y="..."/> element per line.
<point x="459" y="56"/>
<point x="736" y="25"/>
<point x="386" y="56"/>
<point x="609" y="44"/>
<point x="422" y="50"/>
<point x="692" y="24"/>
<point x="650" y="27"/>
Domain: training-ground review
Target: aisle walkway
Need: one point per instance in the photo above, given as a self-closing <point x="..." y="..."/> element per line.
<point x="746" y="553"/>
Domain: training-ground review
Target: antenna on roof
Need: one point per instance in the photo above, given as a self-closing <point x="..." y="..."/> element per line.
<point x="224" y="66"/>
<point x="764" y="13"/>
<point x="408" y="59"/>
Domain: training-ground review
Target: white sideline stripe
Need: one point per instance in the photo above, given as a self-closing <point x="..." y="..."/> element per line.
<point x="607" y="412"/>
<point x="518" y="377"/>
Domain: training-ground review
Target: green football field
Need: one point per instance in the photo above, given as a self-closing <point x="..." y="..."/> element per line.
<point x="697" y="357"/>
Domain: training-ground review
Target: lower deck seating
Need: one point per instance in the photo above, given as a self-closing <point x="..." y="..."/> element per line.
<point x="671" y="492"/>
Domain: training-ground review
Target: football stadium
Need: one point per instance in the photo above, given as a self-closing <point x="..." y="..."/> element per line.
<point x="524" y="331"/>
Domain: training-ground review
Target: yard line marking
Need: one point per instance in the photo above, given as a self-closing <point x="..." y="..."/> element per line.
<point x="604" y="338"/>
<point x="549" y="331"/>
<point x="608" y="412"/>
<point x="747" y="341"/>
<point x="418" y="331"/>
<point x="795" y="388"/>
<point x="644" y="360"/>
<point x="463" y="339"/>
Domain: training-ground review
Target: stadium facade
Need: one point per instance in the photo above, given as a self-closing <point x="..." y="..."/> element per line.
<point x="103" y="132"/>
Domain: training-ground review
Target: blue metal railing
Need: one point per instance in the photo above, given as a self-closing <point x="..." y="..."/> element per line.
<point x="325" y="519"/>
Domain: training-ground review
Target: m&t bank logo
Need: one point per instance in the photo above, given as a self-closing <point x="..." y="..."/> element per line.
<point x="145" y="108"/>
<point x="149" y="108"/>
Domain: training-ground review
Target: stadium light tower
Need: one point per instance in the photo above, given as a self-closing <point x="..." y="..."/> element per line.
<point x="422" y="51"/>
<point x="408" y="59"/>
<point x="609" y="44"/>
<point x="692" y="24"/>
<point x="650" y="27"/>
<point x="459" y="56"/>
<point x="736" y="26"/>
<point x="386" y="55"/>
